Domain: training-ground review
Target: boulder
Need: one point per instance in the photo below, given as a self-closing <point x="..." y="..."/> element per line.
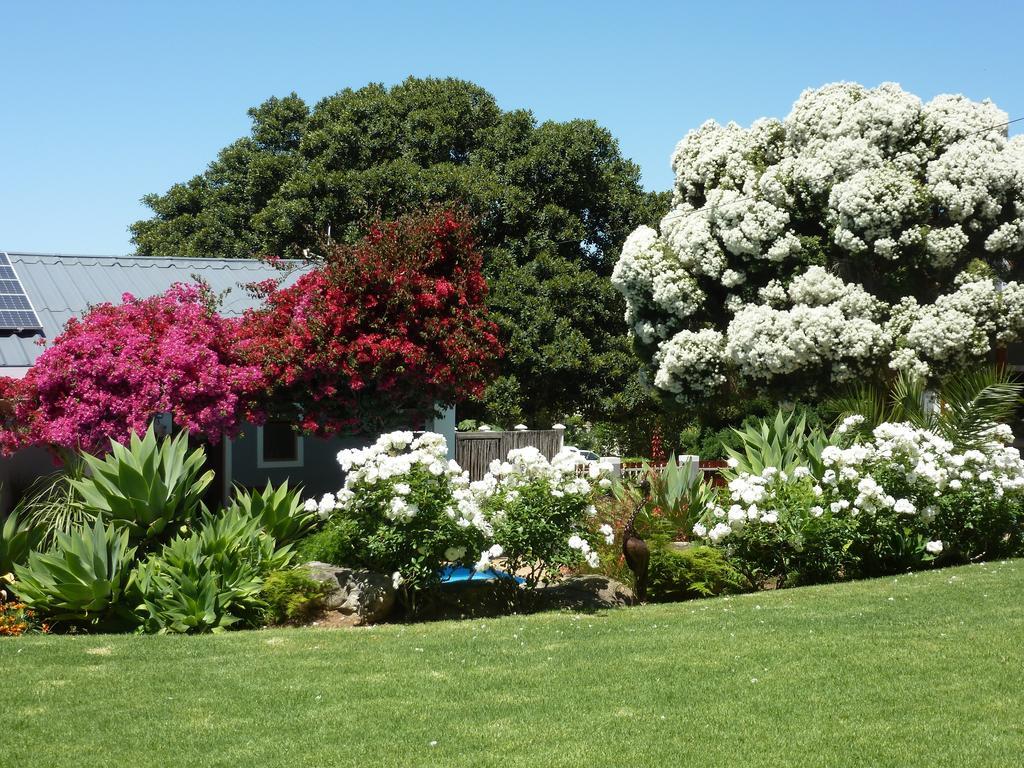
<point x="585" y="593"/>
<point x="363" y="594"/>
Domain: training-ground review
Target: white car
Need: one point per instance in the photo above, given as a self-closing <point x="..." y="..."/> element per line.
<point x="586" y="455"/>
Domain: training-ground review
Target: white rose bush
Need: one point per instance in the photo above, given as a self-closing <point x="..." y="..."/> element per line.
<point x="865" y="232"/>
<point x="414" y="511"/>
<point x="888" y="501"/>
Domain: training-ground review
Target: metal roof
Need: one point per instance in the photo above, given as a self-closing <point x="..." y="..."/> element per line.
<point x="62" y="286"/>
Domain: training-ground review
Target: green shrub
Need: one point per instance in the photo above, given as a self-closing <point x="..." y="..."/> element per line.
<point x="829" y="549"/>
<point x="18" y="537"/>
<point x="149" y="487"/>
<point x="697" y="571"/>
<point x="210" y="579"/>
<point x="336" y="543"/>
<point x="677" y="498"/>
<point x="279" y="511"/>
<point x="83" y="579"/>
<point x="292" y="597"/>
<point x="978" y="526"/>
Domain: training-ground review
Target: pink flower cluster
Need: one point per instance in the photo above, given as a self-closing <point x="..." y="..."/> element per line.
<point x="112" y="370"/>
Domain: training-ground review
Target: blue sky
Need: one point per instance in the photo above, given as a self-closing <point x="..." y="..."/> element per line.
<point x="104" y="102"/>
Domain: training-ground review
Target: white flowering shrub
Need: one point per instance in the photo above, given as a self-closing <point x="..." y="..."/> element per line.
<point x="541" y="514"/>
<point x="414" y="511"/>
<point x="893" y="501"/>
<point x="402" y="495"/>
<point x="865" y="231"/>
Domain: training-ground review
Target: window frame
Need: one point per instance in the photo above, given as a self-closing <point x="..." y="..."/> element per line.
<point x="298" y="461"/>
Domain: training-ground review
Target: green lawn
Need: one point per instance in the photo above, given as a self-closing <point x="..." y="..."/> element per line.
<point x="922" y="670"/>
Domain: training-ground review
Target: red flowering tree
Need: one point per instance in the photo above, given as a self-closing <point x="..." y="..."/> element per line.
<point x="109" y="372"/>
<point x="380" y="331"/>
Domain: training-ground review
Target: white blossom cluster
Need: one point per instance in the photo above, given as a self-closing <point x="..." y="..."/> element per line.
<point x="872" y="184"/>
<point x="754" y="499"/>
<point x="901" y="468"/>
<point x="958" y="328"/>
<point x="384" y="474"/>
<point x="905" y="468"/>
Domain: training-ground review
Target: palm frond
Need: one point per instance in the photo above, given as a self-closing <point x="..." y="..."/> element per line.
<point x="972" y="402"/>
<point x="863" y="399"/>
<point x="907" y="401"/>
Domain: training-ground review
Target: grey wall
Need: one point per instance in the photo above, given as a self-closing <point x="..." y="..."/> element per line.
<point x="319" y="473"/>
<point x="18" y="471"/>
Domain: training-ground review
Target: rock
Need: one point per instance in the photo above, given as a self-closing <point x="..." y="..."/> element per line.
<point x="585" y="593"/>
<point x="355" y="592"/>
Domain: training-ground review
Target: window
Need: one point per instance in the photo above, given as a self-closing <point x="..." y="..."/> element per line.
<point x="278" y="445"/>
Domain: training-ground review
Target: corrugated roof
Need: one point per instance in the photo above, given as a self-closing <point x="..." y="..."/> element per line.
<point x="61" y="287"/>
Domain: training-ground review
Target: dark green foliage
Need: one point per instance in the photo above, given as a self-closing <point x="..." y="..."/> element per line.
<point x="553" y="203"/>
<point x="292" y="597"/>
<point x="978" y="526"/>
<point x="684" y="574"/>
<point x="336" y="543"/>
<point x="830" y="549"/>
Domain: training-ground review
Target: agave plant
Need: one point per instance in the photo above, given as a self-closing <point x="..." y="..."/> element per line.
<point x="176" y="602"/>
<point x="210" y="579"/>
<point x="677" y="497"/>
<point x="18" y="537"/>
<point x="185" y="589"/>
<point x="83" y="579"/>
<point x="279" y="511"/>
<point x="233" y="535"/>
<point x="149" y="487"/>
<point x="784" y="442"/>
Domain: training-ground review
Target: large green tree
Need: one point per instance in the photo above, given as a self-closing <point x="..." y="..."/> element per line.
<point x="553" y="204"/>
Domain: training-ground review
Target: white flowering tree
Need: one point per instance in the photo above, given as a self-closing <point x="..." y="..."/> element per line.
<point x="865" y="232"/>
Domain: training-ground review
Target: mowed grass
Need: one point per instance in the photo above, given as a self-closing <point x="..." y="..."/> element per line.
<point x="920" y="670"/>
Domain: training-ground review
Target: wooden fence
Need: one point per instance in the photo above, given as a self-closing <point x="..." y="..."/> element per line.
<point x="476" y="450"/>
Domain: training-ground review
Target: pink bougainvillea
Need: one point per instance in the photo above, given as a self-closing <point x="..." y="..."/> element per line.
<point x="109" y="372"/>
<point x="380" y="331"/>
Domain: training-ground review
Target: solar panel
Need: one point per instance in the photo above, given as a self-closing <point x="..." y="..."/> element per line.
<point x="16" y="312"/>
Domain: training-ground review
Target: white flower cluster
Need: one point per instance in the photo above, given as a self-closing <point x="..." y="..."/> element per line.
<point x="830" y="322"/>
<point x="901" y="468"/>
<point x="754" y="500"/>
<point x="862" y="181"/>
<point x="958" y="328"/>
<point x="386" y="468"/>
<point x="905" y="468"/>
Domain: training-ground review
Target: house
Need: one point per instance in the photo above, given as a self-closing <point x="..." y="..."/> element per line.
<point x="55" y="287"/>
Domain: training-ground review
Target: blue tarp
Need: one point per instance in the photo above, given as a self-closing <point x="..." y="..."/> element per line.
<point x="454" y="573"/>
